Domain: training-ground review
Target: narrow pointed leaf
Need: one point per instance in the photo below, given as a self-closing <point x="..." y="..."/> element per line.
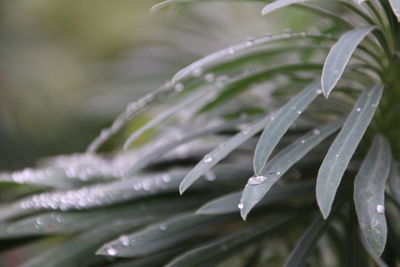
<point x="166" y="114"/>
<point x="339" y="56"/>
<point x="395" y="4"/>
<point x="279" y="4"/>
<point x="66" y="222"/>
<point x="160" y="236"/>
<point x="229" y="203"/>
<point x="306" y="245"/>
<point x="394" y="181"/>
<point x="369" y="194"/>
<point x="280" y="123"/>
<point x="281" y="163"/>
<point x="164" y="144"/>
<point x="220" y="153"/>
<point x="80" y="249"/>
<point x="216" y="251"/>
<point x="221" y="56"/>
<point x="341" y="151"/>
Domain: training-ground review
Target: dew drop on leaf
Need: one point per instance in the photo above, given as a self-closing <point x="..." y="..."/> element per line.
<point x="255" y="180"/>
<point x="111" y="251"/>
<point x="207" y="158"/>
<point x="380" y="208"/>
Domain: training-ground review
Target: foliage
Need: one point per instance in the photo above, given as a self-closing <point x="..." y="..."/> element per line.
<point x="326" y="105"/>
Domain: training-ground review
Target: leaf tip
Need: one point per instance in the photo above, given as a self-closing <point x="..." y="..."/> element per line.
<point x="182" y="188"/>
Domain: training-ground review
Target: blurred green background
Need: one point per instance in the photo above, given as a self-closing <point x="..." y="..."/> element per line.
<point x="68" y="68"/>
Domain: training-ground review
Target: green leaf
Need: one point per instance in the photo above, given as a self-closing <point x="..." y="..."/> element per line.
<point x="66" y="222"/>
<point x="166" y="143"/>
<point x="339" y="56"/>
<point x="235" y="51"/>
<point x="190" y="100"/>
<point x="280" y="123"/>
<point x="394" y="181"/>
<point x="214" y="252"/>
<point x="279" y="4"/>
<point x="131" y="110"/>
<point x="220" y="153"/>
<point x="96" y="195"/>
<point x="102" y="195"/>
<point x="306" y="245"/>
<point x="160" y="236"/>
<point x="229" y="203"/>
<point x="339" y="154"/>
<point x="79" y="250"/>
<point x="369" y="194"/>
<point x="257" y="187"/>
<point x="49" y="177"/>
<point x="395" y="4"/>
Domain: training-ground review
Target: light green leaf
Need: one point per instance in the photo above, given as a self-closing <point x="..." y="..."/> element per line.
<point x="214" y="252"/>
<point x="279" y="4"/>
<point x="369" y="194"/>
<point x="257" y="187"/>
<point x="190" y="100"/>
<point x="395" y="4"/>
<point x="160" y="236"/>
<point x="339" y="56"/>
<point x="130" y="111"/>
<point x="157" y="148"/>
<point x="238" y="50"/>
<point x="280" y="123"/>
<point x="339" y="154"/>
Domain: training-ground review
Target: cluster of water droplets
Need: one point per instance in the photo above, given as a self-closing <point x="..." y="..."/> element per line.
<point x="256" y="180"/>
<point x="103" y="194"/>
<point x="29" y="175"/>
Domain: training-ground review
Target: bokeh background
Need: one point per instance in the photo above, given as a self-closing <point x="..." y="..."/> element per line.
<point x="68" y="68"/>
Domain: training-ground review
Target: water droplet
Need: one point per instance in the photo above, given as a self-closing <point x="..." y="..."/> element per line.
<point x="278" y="173"/>
<point x="337" y="155"/>
<point x="166" y="178"/>
<point x="380" y="208"/>
<point x="111" y="251"/>
<point x="231" y="50"/>
<point x="240" y="206"/>
<point x="124" y="240"/>
<point x="207" y="158"/>
<point x="358" y="109"/>
<point x="249" y="41"/>
<point x="255" y="180"/>
<point x="209" y="77"/>
<point x="179" y="87"/>
<point x="197" y="72"/>
<point x="210" y="176"/>
<point x="298" y="112"/>
<point x="303" y="141"/>
<point x="319" y="91"/>
<point x="163" y="227"/>
<point x="316" y="131"/>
